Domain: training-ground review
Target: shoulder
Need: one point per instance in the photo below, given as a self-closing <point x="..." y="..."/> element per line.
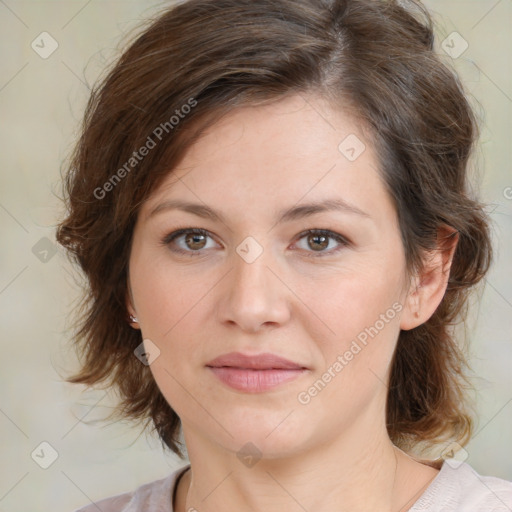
<point x="155" y="496"/>
<point x="460" y="488"/>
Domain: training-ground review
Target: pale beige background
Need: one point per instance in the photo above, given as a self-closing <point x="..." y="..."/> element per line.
<point x="41" y="102"/>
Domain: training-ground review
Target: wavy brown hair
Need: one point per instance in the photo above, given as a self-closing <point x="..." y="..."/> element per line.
<point x="372" y="57"/>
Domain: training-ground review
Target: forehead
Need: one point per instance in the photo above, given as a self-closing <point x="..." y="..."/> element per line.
<point x="277" y="154"/>
<point x="290" y="130"/>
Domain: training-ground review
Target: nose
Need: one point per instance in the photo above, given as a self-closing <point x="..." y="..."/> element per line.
<point x="252" y="295"/>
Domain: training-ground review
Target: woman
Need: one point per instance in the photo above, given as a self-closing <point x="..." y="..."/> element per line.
<point x="269" y="200"/>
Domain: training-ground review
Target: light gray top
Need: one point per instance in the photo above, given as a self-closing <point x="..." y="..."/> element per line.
<point x="454" y="489"/>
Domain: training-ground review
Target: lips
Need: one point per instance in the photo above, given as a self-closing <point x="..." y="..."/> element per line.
<point x="264" y="361"/>
<point x="254" y="374"/>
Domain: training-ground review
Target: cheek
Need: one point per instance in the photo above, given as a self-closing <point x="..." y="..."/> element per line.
<point x="172" y="308"/>
<point x="355" y="361"/>
<point x="361" y="308"/>
<point x="350" y="301"/>
<point x="164" y="297"/>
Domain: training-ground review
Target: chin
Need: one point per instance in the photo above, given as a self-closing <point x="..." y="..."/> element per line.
<point x="271" y="435"/>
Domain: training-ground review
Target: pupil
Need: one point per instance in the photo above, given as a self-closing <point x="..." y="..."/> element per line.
<point x="193" y="238"/>
<point x="319" y="245"/>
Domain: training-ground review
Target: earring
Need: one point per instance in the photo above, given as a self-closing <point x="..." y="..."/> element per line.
<point x="133" y="319"/>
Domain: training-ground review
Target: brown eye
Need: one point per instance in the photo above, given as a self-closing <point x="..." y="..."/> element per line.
<point x="195" y="241"/>
<point x="323" y="242"/>
<point x="318" y="242"/>
<point x="189" y="241"/>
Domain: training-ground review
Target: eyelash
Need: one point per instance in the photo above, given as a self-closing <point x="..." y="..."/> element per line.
<point x="322" y="232"/>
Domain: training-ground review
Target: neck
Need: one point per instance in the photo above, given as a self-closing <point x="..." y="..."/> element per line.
<point x="357" y="474"/>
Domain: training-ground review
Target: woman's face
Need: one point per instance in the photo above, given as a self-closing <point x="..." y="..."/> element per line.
<point x="254" y="280"/>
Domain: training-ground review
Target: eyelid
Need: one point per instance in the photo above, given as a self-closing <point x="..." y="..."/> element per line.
<point x="182" y="231"/>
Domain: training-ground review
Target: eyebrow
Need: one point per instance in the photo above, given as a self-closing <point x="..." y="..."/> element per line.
<point x="286" y="215"/>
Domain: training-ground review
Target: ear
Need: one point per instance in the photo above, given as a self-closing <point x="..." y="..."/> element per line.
<point x="429" y="286"/>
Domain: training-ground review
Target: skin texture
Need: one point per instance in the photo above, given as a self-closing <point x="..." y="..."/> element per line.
<point x="306" y="305"/>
